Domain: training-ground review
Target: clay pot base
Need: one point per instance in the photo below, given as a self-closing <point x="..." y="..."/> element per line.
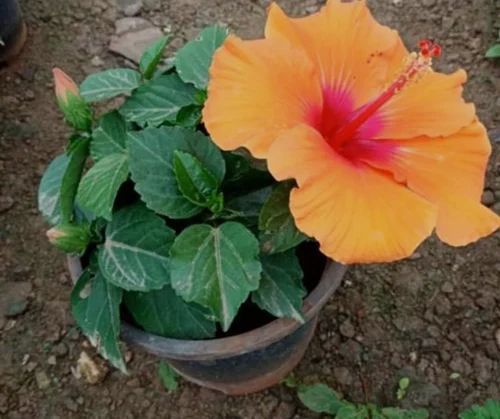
<point x="15" y="45"/>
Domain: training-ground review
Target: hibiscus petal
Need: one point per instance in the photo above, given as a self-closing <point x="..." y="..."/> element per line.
<point x="353" y="51"/>
<point x="358" y="214"/>
<point x="447" y="171"/>
<point x="431" y="106"/>
<point x="257" y="89"/>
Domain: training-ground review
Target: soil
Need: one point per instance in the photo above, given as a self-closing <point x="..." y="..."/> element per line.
<point x="434" y="318"/>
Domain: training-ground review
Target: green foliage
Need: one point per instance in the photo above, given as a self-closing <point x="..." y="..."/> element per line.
<point x="493" y="51"/>
<point x="167" y="376"/>
<point x="49" y="191"/>
<point x="169" y="222"/>
<point x="216" y="267"/>
<point x="109" y="136"/>
<point x="196" y="182"/>
<point x="135" y="253"/>
<point x="322" y="399"/>
<point x="109" y="84"/>
<point x="158" y="101"/>
<point x="95" y="305"/>
<point x="281" y="290"/>
<point x="194" y="59"/>
<point x="403" y="385"/>
<point x="152" y="166"/>
<point x="276" y="223"/>
<point x="77" y="154"/>
<point x="152" y="56"/>
<point x="490" y="410"/>
<point x="319" y="398"/>
<point x="164" y="313"/>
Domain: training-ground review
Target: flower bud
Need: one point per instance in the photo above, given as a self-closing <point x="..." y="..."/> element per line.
<point x="70" y="238"/>
<point x="76" y="111"/>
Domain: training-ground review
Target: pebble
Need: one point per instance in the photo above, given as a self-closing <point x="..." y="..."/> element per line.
<point x="17" y="308"/>
<point x="30" y="366"/>
<point x="130" y="7"/>
<point x="131" y="45"/>
<point x="52" y="360"/>
<point x="284" y="410"/>
<point x="131" y="24"/>
<point x="97" y="61"/>
<point x="347" y="329"/>
<point x="70" y="405"/>
<point x="42" y="380"/>
<point x="343" y="376"/>
<point x="6" y="203"/>
<point x="488" y="198"/>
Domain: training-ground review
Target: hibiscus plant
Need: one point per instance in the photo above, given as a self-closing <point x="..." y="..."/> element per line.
<point x="214" y="166"/>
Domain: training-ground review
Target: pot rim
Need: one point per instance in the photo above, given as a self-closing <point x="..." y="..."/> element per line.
<point x="226" y="347"/>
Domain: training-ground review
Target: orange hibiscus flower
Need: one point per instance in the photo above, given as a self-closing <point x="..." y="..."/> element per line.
<point x="383" y="149"/>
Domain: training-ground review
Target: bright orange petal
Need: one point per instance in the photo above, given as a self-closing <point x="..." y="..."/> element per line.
<point x="353" y="51"/>
<point x="431" y="106"/>
<point x="258" y="89"/>
<point x="358" y="214"/>
<point x="447" y="171"/>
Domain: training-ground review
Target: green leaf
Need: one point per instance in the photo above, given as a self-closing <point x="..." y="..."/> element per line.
<point x="168" y="376"/>
<point x="247" y="207"/>
<point x="152" y="56"/>
<point x="241" y="174"/>
<point x="490" y="410"/>
<point x="109" y="137"/>
<point x="71" y="178"/>
<point x="99" y="187"/>
<point x="77" y="112"/>
<point x="196" y="182"/>
<point x="49" y="190"/>
<point x="189" y="117"/>
<point x="278" y="230"/>
<point x="396" y="413"/>
<point x="216" y="267"/>
<point x="166" y="314"/>
<point x="109" y="84"/>
<point x="493" y="51"/>
<point x="320" y="398"/>
<point x="95" y="306"/>
<point x="158" y="101"/>
<point x="193" y="60"/>
<point x="151" y="164"/>
<point x="350" y="411"/>
<point x="135" y="254"/>
<point x="281" y="291"/>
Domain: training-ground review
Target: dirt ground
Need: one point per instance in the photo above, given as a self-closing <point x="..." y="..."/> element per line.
<point x="434" y="318"/>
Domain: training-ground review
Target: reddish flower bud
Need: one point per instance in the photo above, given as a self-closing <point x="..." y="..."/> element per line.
<point x="76" y="111"/>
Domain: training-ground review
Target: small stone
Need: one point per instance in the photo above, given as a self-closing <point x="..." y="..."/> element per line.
<point x="89" y="370"/>
<point x="52" y="360"/>
<point x="130" y="7"/>
<point x="131" y="45"/>
<point x="497" y="337"/>
<point x="447" y="287"/>
<point x="25" y="360"/>
<point x="30" y="366"/>
<point x="6" y="203"/>
<point x="429" y="3"/>
<point x="97" y="61"/>
<point x="343" y="376"/>
<point x="29" y="95"/>
<point x="70" y="405"/>
<point x="131" y="24"/>
<point x="42" y="381"/>
<point x="284" y="410"/>
<point x="347" y="329"/>
<point x="17" y="308"/>
<point x="488" y="198"/>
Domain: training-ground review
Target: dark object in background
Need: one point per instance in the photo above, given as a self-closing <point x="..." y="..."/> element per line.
<point x="12" y="30"/>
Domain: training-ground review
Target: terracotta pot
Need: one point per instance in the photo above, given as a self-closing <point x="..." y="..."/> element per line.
<point x="244" y="363"/>
<point x="12" y="30"/>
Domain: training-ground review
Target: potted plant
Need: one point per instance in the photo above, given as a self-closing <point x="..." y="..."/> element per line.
<point x="195" y="232"/>
<point x="12" y="30"/>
